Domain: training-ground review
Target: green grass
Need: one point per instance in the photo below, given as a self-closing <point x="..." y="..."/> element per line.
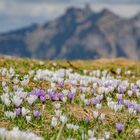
<point x="76" y="112"/>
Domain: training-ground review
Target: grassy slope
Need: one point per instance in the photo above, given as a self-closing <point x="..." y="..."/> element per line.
<point x="75" y="111"/>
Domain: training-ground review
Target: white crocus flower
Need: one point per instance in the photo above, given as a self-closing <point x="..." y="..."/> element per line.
<point x="24" y="82"/>
<point x="10" y="114"/>
<point x="101" y="90"/>
<point x="94" y="85"/>
<point x="16" y="134"/>
<point x="64" y="99"/>
<point x="58" y="113"/>
<point x="54" y="121"/>
<point x="3" y="133"/>
<point x="22" y="94"/>
<point x="17" y="100"/>
<point x="6" y="89"/>
<point x="24" y="111"/>
<point x="95" y="114"/>
<point x="28" y="118"/>
<point x="86" y="101"/>
<point x="130" y="110"/>
<point x="139" y="120"/>
<point x="75" y="127"/>
<point x="101" y="138"/>
<point x="90" y="133"/>
<point x="130" y="93"/>
<point x="73" y="90"/>
<point x="99" y="106"/>
<point x="69" y="126"/>
<point x="92" y="138"/>
<point x="138" y="94"/>
<point x="63" y="119"/>
<point x="102" y="116"/>
<point x="31" y="99"/>
<point x="82" y="97"/>
<point x="107" y="135"/>
<point x="72" y="126"/>
<point x="57" y="105"/>
<point x="3" y="83"/>
<point x="5" y="99"/>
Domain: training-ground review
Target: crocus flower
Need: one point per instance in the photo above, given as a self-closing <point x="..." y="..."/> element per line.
<point x="17" y="100"/>
<point x="63" y="119"/>
<point x="31" y="99"/>
<point x="91" y="133"/>
<point x="10" y="114"/>
<point x="38" y="92"/>
<point x="119" y="127"/>
<point x="86" y="119"/>
<point x="28" y="118"/>
<point x="61" y="84"/>
<point x="43" y="98"/>
<point x="52" y="96"/>
<point x="95" y="114"/>
<point x="41" y="93"/>
<point x="24" y="111"/>
<point x="107" y="135"/>
<point x="134" y="88"/>
<point x="36" y="114"/>
<point x="95" y="101"/>
<point x="121" y="89"/>
<point x="18" y="111"/>
<point x="119" y="96"/>
<point x="54" y="121"/>
<point x="71" y="96"/>
<point x="136" y="107"/>
<point x="60" y="96"/>
<point x="5" y="99"/>
<point x="102" y="116"/>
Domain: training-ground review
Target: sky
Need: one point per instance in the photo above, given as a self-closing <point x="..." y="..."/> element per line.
<point x="16" y="14"/>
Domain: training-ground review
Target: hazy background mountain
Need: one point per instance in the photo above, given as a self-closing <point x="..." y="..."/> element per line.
<point x="77" y="33"/>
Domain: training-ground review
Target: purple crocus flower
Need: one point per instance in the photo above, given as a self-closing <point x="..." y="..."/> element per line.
<point x="119" y="127"/>
<point x="134" y="88"/>
<point x="60" y="96"/>
<point x="36" y="114"/>
<point x="121" y="89"/>
<point x="18" y="111"/>
<point x="73" y="85"/>
<point x="137" y="107"/>
<point x="61" y="84"/>
<point x="119" y="97"/>
<point x="71" y="96"/>
<point x="41" y="93"/>
<point x="128" y="104"/>
<point x="38" y="92"/>
<point x="95" y="101"/>
<point x="99" y="98"/>
<point x="43" y="98"/>
<point x="107" y="84"/>
<point x="86" y="119"/>
<point x="52" y="96"/>
<point x="82" y="87"/>
<point x="121" y="101"/>
<point x="93" y="91"/>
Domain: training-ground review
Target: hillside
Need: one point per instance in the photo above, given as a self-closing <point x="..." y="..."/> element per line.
<point x="61" y="100"/>
<point x="77" y="34"/>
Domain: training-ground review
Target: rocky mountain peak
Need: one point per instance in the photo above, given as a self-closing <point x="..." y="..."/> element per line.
<point x="79" y="33"/>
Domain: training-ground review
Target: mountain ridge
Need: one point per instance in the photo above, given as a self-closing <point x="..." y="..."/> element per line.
<point x="79" y="33"/>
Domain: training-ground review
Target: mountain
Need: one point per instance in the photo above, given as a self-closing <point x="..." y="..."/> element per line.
<point x="79" y="33"/>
